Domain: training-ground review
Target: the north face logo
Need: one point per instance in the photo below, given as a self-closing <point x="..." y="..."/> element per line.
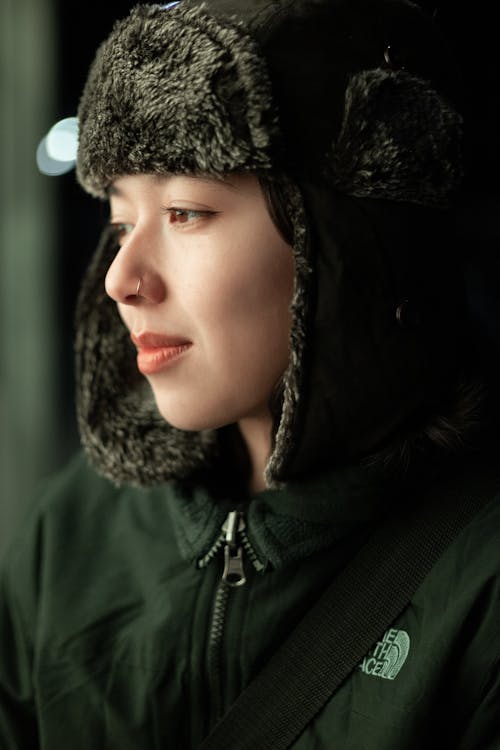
<point x="388" y="656"/>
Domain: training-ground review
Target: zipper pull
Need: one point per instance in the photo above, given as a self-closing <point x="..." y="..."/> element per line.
<point x="234" y="572"/>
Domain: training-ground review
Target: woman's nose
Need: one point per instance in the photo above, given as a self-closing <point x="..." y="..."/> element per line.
<point x="132" y="277"/>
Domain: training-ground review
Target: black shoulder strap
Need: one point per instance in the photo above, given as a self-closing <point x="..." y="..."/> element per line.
<point x="353" y="613"/>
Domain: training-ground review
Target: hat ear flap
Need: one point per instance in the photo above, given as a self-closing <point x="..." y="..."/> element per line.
<point x="399" y="140"/>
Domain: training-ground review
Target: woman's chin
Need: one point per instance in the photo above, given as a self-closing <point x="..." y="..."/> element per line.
<point x="190" y="422"/>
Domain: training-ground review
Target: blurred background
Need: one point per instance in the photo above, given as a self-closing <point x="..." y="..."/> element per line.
<point x="49" y="227"/>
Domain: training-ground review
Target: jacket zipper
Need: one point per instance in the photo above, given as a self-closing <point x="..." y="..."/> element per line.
<point x="236" y="545"/>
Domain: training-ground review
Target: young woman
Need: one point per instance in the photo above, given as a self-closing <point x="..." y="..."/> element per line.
<point x="274" y="359"/>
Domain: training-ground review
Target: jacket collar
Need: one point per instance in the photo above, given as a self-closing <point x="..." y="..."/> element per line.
<point x="289" y="524"/>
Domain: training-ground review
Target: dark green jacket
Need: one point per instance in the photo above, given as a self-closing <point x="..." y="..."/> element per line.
<point x="116" y="631"/>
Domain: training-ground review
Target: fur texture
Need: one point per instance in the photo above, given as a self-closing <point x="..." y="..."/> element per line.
<point x="399" y="141"/>
<point x="174" y="91"/>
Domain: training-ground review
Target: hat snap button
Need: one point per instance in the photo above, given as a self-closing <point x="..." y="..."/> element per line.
<point x="408" y="314"/>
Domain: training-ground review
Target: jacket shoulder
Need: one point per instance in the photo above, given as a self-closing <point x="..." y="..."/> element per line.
<point x="77" y="525"/>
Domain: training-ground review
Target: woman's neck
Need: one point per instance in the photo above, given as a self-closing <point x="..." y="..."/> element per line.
<point x="257" y="435"/>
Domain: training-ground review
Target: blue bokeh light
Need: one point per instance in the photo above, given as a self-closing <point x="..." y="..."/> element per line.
<point x="56" y="152"/>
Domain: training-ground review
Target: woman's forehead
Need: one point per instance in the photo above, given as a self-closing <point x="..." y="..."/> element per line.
<point x="127" y="186"/>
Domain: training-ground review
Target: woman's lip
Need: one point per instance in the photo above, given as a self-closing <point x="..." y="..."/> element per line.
<point x="155" y="351"/>
<point x="154" y="359"/>
<point x="149" y="340"/>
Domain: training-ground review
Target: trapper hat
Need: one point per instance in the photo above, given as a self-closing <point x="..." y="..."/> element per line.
<point x="347" y="90"/>
<point x="349" y="105"/>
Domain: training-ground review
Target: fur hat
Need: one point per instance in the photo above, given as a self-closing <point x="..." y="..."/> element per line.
<point x="348" y="104"/>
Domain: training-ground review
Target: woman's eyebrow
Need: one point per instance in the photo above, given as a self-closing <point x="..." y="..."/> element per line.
<point x="113" y="190"/>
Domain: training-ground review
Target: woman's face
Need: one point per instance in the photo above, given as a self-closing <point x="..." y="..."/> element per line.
<point x="211" y="315"/>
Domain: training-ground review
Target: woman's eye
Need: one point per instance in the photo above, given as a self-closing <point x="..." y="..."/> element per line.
<point x="185" y="215"/>
<point x="121" y="230"/>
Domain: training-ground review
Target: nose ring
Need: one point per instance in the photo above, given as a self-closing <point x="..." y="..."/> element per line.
<point x="138" y="286"/>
